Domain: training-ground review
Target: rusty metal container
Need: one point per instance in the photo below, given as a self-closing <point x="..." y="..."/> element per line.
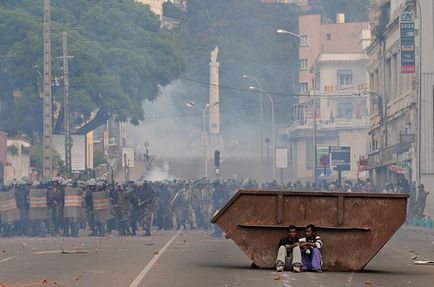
<point x="353" y="226"/>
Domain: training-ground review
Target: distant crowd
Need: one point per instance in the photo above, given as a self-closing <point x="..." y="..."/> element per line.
<point x="64" y="207"/>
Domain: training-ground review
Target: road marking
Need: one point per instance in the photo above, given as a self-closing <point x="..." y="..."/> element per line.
<point x="6" y="259"/>
<point x="151" y="263"/>
<point x="46" y="252"/>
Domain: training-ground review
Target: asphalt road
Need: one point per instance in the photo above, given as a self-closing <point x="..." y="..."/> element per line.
<point x="188" y="258"/>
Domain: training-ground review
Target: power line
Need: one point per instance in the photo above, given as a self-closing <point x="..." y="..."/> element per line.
<point x="237" y="89"/>
<point x="251" y="107"/>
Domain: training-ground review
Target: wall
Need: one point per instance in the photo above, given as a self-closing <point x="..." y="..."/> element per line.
<point x="427" y="88"/>
<point x="344" y="37"/>
<point x="3" y="155"/>
<point x="18" y="159"/>
<point x="3" y="147"/>
<point x="310" y="25"/>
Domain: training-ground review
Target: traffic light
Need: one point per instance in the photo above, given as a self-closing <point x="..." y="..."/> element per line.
<point x="217" y="158"/>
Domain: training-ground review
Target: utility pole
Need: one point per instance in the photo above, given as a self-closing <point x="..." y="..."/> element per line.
<point x="67" y="130"/>
<point x="47" y="159"/>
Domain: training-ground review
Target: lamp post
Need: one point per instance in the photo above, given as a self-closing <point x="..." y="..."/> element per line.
<point x="273" y="122"/>
<point x="261" y="115"/>
<point x="281" y="31"/>
<point x="194" y="106"/>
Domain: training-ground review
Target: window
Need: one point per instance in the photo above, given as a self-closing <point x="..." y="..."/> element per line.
<point x="345" y="77"/>
<point x="303" y="88"/>
<point x="345" y="110"/>
<point x="304" y="41"/>
<point x="303" y="64"/>
<point x="329" y="36"/>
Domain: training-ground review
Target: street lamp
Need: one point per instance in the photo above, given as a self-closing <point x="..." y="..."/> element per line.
<point x="281" y="31"/>
<point x="261" y="115"/>
<point x="193" y="105"/>
<point x="273" y="127"/>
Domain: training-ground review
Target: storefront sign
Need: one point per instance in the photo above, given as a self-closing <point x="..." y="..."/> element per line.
<point x="340" y="158"/>
<point x="404" y="164"/>
<point x="408" y="55"/>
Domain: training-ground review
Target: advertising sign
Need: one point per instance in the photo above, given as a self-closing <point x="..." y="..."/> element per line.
<point x="408" y="55"/>
<point x="340" y="158"/>
<point x="323" y="157"/>
<point x="78" y="150"/>
<point x="281" y="158"/>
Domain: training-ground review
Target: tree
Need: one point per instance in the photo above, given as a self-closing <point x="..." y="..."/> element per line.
<point x="355" y="11"/>
<point x="121" y="58"/>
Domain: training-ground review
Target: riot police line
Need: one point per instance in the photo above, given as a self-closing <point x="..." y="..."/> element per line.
<point x="64" y="207"/>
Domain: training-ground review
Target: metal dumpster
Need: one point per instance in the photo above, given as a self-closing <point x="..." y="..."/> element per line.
<point x="353" y="226"/>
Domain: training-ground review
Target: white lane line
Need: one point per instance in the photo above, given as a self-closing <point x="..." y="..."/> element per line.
<point x="151" y="263"/>
<point x="6" y="259"/>
<point x="47" y="252"/>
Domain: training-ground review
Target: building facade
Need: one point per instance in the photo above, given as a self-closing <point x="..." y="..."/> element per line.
<point x="3" y="155"/>
<point x="336" y="53"/>
<point x="401" y="125"/>
<point x="18" y="158"/>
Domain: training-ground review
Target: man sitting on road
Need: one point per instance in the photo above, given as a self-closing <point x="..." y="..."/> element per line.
<point x="311" y="250"/>
<point x="289" y="254"/>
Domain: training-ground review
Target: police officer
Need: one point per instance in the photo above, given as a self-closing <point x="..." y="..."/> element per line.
<point x="146" y="206"/>
<point x="90" y="188"/>
<point x="121" y="208"/>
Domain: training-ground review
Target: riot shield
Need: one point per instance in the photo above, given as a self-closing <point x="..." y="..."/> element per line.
<point x="72" y="204"/>
<point x="101" y="206"/>
<point x="8" y="207"/>
<point x="38" y="204"/>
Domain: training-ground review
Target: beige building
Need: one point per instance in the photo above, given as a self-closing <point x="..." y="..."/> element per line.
<point x="18" y="158"/>
<point x="399" y="134"/>
<point x="341" y="81"/>
<point x="156" y="6"/>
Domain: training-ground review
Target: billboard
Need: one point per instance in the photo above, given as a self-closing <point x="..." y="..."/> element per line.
<point x="340" y="158"/>
<point x="281" y="158"/>
<point x="408" y="55"/>
<point x="78" y="150"/>
<point x="323" y="157"/>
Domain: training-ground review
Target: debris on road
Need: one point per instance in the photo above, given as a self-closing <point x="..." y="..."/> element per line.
<point x="423" y="262"/>
<point x="73" y="251"/>
<point x="277" y="277"/>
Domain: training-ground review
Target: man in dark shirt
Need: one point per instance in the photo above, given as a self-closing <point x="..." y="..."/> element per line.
<point x="289" y="254"/>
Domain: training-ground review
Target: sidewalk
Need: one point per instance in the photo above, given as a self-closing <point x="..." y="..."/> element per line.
<point x="418" y="232"/>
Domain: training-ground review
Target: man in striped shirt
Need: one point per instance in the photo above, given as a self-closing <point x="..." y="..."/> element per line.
<point x="311" y="250"/>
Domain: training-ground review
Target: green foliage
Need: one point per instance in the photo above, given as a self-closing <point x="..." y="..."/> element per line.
<point x="13" y="150"/>
<point x="355" y="11"/>
<point x="121" y="58"/>
<point x="36" y="154"/>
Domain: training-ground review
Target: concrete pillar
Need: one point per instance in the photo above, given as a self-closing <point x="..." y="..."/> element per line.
<point x="214" y="99"/>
